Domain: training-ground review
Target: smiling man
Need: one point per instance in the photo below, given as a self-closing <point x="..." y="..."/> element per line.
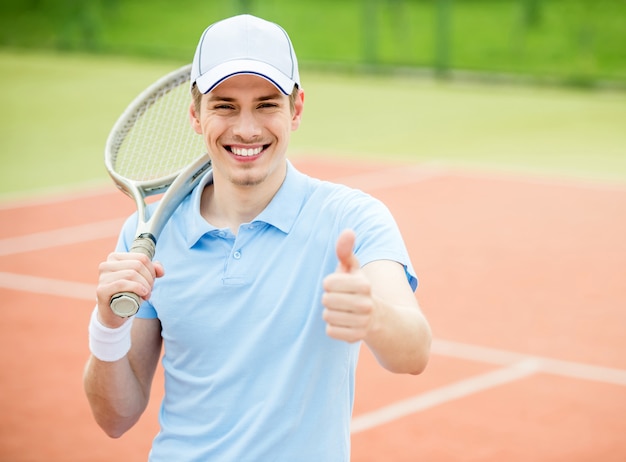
<point x="265" y="282"/>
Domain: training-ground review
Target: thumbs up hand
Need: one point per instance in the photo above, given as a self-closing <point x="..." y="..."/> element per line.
<point x="349" y="306"/>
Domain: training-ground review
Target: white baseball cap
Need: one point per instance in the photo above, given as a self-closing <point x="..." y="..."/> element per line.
<point x="245" y="44"/>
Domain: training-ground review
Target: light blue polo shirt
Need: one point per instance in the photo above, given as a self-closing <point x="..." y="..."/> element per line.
<point x="250" y="374"/>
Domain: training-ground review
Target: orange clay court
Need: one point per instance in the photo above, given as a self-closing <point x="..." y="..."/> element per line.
<point x="522" y="278"/>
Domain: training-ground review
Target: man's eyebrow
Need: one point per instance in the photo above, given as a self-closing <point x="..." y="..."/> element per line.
<point x="269" y="97"/>
<point x="214" y="97"/>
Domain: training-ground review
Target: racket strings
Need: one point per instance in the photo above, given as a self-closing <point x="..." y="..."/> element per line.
<point x="158" y="140"/>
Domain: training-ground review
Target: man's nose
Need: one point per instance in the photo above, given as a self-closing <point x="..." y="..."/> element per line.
<point x="247" y="125"/>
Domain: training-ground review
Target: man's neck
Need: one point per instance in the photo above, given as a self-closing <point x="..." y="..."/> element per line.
<point x="225" y="205"/>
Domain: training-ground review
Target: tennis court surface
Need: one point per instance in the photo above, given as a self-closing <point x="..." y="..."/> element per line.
<point x="522" y="278"/>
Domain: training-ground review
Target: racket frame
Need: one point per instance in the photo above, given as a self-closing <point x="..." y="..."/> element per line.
<point x="175" y="186"/>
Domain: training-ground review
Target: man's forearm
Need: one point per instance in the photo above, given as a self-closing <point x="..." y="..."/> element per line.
<point x="401" y="339"/>
<point x="115" y="395"/>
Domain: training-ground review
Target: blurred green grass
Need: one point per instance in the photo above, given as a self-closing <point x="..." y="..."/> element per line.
<point x="57" y="111"/>
<point x="573" y="41"/>
<point x="59" y="108"/>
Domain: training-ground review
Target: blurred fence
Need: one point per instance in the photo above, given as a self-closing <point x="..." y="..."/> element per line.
<point x="575" y="41"/>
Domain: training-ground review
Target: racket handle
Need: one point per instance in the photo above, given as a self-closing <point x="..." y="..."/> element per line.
<point x="126" y="304"/>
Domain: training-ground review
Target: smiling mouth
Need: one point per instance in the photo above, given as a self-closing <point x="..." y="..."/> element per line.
<point x="247" y="152"/>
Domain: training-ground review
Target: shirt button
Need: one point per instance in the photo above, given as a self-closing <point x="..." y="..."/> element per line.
<point x="237" y="255"/>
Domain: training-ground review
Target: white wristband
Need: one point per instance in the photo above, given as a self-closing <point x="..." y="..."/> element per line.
<point x="108" y="344"/>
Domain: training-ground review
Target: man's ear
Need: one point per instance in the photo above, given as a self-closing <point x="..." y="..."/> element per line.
<point x="297" y="110"/>
<point x="194" y="119"/>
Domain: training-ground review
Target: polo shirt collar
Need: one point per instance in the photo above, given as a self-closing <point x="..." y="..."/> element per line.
<point x="285" y="206"/>
<point x="281" y="212"/>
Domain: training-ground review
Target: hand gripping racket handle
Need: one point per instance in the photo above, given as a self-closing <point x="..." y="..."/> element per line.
<point x="126" y="304"/>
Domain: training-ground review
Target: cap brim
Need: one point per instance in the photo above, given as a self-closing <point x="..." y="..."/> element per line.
<point x="209" y="80"/>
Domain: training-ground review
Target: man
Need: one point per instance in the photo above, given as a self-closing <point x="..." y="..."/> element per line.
<point x="264" y="285"/>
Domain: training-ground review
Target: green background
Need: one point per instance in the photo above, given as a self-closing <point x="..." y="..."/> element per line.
<point x="575" y="41"/>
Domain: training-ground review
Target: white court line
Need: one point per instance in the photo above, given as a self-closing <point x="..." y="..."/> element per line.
<point x="475" y="352"/>
<point x="60" y="237"/>
<point x="611" y="185"/>
<point x="392" y="177"/>
<point x="444" y="394"/>
<point x="47" y="286"/>
<point x="55" y="195"/>
<point x="551" y="366"/>
<point x="522" y="366"/>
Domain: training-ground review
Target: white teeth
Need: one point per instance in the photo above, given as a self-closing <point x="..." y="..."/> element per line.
<point x="246" y="152"/>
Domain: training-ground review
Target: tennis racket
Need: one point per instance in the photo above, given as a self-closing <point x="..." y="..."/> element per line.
<point x="152" y="149"/>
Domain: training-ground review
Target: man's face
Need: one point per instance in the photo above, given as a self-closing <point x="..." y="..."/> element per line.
<point x="246" y="123"/>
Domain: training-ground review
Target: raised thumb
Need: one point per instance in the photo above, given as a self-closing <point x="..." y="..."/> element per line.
<point x="345" y="252"/>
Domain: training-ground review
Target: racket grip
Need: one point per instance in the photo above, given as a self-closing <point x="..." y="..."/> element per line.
<point x="126" y="304"/>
